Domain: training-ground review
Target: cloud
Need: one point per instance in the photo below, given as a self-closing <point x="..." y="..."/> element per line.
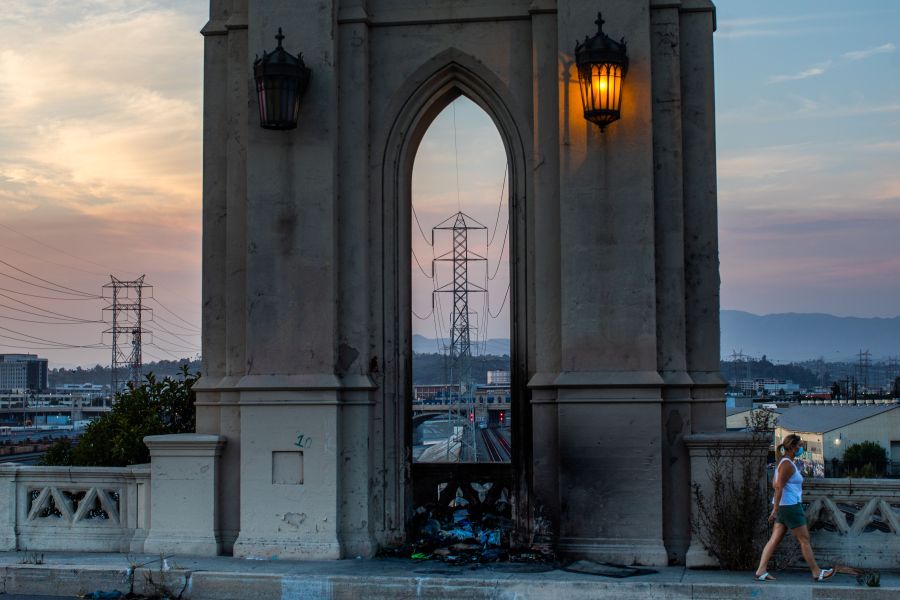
<point x="863" y="54"/>
<point x="813" y="71"/>
<point x="100" y="147"/>
<point x="767" y="111"/>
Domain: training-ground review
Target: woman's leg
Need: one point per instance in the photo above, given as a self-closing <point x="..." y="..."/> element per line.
<point x="802" y="535"/>
<point x="778" y="531"/>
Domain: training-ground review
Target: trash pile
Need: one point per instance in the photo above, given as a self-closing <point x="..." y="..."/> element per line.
<point x="464" y="533"/>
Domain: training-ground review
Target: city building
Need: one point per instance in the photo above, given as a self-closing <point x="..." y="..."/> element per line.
<point x="499" y="378"/>
<point x="740" y="418"/>
<point x="767" y="387"/>
<point x="435" y="393"/>
<point x="492" y="394"/>
<point x="23" y="372"/>
<point x="827" y="430"/>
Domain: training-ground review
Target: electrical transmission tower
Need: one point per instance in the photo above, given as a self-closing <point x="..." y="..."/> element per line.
<point x="864" y="364"/>
<point x="461" y="255"/>
<point x="127" y="317"/>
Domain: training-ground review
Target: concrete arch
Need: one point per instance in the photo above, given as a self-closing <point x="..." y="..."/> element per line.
<point x="431" y="88"/>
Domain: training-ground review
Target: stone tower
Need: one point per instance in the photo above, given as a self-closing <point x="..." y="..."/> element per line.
<point x="306" y="285"/>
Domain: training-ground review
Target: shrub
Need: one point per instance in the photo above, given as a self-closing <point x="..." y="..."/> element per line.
<point x="731" y="521"/>
<point x="116" y="439"/>
<point x="866" y="459"/>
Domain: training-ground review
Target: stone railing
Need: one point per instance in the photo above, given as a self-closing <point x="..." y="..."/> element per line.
<point x="855" y="522"/>
<point x="99" y="509"/>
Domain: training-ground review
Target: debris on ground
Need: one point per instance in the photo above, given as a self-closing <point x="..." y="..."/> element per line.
<point x="588" y="567"/>
<point x="466" y="532"/>
<point x="869" y="577"/>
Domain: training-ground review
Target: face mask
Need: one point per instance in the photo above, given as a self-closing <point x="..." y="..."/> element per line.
<point x="799" y="452"/>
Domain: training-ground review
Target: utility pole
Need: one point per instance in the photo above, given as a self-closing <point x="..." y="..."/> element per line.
<point x="127" y="310"/>
<point x="461" y="255"/>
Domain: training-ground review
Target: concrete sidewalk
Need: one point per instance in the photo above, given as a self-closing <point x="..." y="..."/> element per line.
<point x="225" y="578"/>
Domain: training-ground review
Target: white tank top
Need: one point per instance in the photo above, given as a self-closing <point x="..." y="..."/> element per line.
<point x="792" y="493"/>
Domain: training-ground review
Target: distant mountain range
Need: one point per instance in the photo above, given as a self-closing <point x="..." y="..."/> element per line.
<point x="808" y="336"/>
<point x="781" y="337"/>
<point x="493" y="346"/>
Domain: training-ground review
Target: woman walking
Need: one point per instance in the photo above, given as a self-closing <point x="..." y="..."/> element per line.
<point x="787" y="511"/>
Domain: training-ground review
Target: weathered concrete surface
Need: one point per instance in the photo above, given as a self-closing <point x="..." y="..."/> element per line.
<point x="613" y="256"/>
<point x="223" y="578"/>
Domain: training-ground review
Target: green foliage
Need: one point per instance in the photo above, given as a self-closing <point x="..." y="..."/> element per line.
<point x="764" y="368"/>
<point x="431" y="368"/>
<point x="116" y="438"/>
<point x="866" y="459"/>
<point x="101" y="374"/>
<point x="59" y="453"/>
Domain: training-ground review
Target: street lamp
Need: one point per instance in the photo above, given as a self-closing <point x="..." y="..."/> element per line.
<point x="281" y="79"/>
<point x="602" y="63"/>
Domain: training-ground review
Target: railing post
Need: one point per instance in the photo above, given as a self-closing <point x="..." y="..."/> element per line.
<point x="741" y="450"/>
<point x="8" y="506"/>
<point x="184" y="508"/>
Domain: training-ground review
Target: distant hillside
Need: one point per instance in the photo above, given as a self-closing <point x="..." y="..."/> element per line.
<point x="494" y="346"/>
<point x="802" y="336"/>
<point x="101" y="375"/>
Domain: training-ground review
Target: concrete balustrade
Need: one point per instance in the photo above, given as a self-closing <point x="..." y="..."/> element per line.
<point x="854" y="522"/>
<point x="94" y="509"/>
<point x="184" y="479"/>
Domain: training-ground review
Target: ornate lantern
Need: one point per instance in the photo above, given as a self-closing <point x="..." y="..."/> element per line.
<point x="281" y="79"/>
<point x="602" y="63"/>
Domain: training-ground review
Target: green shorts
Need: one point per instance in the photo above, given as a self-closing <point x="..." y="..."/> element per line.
<point x="791" y="516"/>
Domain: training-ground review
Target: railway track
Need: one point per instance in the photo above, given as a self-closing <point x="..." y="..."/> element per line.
<point x="498" y="449"/>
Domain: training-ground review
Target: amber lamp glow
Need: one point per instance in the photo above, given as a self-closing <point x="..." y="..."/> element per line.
<point x="281" y="80"/>
<point x="602" y="63"/>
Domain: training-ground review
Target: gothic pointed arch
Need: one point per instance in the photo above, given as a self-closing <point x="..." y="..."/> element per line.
<point x="428" y="91"/>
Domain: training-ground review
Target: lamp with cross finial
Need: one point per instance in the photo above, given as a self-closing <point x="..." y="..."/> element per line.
<point x="281" y="80"/>
<point x="602" y="63"/>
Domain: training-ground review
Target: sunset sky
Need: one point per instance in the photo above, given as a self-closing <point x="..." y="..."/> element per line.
<point x="100" y="147"/>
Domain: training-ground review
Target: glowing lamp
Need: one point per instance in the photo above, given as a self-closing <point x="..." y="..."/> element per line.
<point x="602" y="63"/>
<point x="281" y="80"/>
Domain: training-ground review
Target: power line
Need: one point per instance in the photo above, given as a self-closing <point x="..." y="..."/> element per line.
<point x="428" y="316"/>
<point x="165" y="308"/>
<point x="47" y="260"/>
<point x="45" y="297"/>
<point x="502" y="304"/>
<point x="30" y="337"/>
<point x="64" y="252"/>
<point x="172" y="333"/>
<point x="68" y="254"/>
<point x="60" y="320"/>
<point x="169" y="351"/>
<point x="500" y="206"/>
<point x="419" y="225"/>
<point x="456" y="157"/>
<point x="48" y="322"/>
<point x="44" y="310"/>
<point x="175" y="344"/>
<point x="43" y="287"/>
<point x="161" y="319"/>
<point x="502" y="248"/>
<point x="420" y="265"/>
<point x="62" y="287"/>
